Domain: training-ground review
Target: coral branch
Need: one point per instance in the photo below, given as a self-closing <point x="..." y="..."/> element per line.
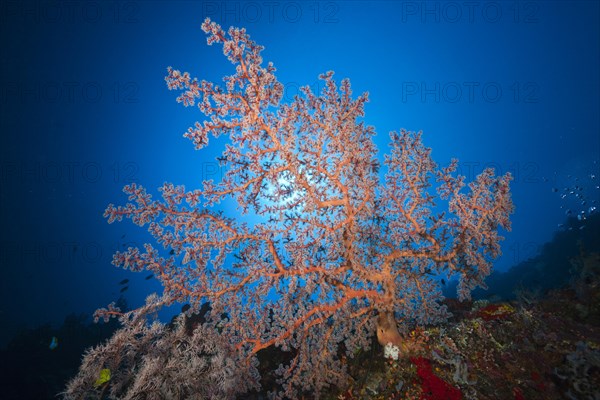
<point x="340" y="253"/>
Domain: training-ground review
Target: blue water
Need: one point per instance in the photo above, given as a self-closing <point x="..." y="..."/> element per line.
<point x="85" y="110"/>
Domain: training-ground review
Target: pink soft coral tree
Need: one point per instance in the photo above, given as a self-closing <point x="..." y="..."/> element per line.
<point x="340" y="255"/>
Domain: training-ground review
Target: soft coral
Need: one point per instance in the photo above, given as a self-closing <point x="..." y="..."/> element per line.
<point x="434" y="388"/>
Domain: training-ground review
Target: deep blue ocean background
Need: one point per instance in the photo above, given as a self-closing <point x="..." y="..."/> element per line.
<point x="85" y="110"/>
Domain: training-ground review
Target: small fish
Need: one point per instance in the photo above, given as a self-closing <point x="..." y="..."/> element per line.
<point x="124" y="281"/>
<point x="149" y="277"/>
<point x="103" y="378"/>
<point x="124" y="289"/>
<point x="443" y="281"/>
<point x="185" y="308"/>
<point x="172" y="252"/>
<point x="53" y="343"/>
<point x="123" y="236"/>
